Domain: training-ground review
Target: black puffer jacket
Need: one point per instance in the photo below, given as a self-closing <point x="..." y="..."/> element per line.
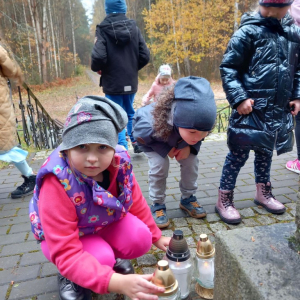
<point x="119" y="52"/>
<point x="262" y="63"/>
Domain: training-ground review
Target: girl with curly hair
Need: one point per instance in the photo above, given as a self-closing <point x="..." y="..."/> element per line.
<point x="175" y="126"/>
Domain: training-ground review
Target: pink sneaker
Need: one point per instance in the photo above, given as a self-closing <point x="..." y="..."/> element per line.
<point x="293" y="165"/>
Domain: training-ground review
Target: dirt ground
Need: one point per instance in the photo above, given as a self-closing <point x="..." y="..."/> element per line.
<point x="58" y="100"/>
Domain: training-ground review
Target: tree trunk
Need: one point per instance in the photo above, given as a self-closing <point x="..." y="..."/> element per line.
<point x="57" y="38"/>
<point x="36" y="39"/>
<point x="236" y="15"/>
<point x="73" y="34"/>
<point x="53" y="39"/>
<point x="44" y="45"/>
<point x="28" y="37"/>
<point x="186" y="60"/>
<point x="175" y="41"/>
<point x="49" y="49"/>
<point x="18" y="36"/>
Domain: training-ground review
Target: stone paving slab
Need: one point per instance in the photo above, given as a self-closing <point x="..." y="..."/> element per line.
<point x="26" y="274"/>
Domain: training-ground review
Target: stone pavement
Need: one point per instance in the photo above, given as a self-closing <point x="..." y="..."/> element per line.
<point x="26" y="274"/>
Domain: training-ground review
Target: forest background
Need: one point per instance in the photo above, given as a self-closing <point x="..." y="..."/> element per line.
<point x="53" y="39"/>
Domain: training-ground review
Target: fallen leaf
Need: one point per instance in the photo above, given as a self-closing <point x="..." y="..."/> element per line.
<point x="12" y="282"/>
<point x="274" y="248"/>
<point x="261" y="283"/>
<point x="252" y="239"/>
<point x="16" y="285"/>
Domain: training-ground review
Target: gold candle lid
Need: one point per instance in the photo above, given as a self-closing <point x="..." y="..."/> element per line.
<point x="164" y="277"/>
<point x="205" y="249"/>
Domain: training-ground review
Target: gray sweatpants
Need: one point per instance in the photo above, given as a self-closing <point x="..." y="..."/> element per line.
<point x="158" y="174"/>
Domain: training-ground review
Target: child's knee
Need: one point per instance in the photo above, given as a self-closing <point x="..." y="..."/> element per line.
<point x="139" y="243"/>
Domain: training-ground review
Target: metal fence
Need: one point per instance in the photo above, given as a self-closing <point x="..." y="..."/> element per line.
<point x="37" y="127"/>
<point x="223" y="115"/>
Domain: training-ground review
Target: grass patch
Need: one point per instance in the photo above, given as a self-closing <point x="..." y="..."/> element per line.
<point x="294" y="243"/>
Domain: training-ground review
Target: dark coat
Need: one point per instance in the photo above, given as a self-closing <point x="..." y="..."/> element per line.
<point x="143" y="133"/>
<point x="262" y="63"/>
<point x="119" y="52"/>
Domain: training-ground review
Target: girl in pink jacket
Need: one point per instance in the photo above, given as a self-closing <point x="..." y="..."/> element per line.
<point x="162" y="80"/>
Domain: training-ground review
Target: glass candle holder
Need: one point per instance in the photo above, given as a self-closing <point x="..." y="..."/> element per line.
<point x="178" y="257"/>
<point x="204" y="263"/>
<point x="164" y="277"/>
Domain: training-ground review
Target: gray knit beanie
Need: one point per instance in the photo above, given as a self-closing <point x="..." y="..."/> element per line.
<point x="93" y="120"/>
<point x="194" y="104"/>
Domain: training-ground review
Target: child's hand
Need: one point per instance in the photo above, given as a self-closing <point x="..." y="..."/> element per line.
<point x="183" y="153"/>
<point x="173" y="152"/>
<point x="295" y="104"/>
<point x="134" y="286"/>
<point x="245" y="108"/>
<point x="162" y="243"/>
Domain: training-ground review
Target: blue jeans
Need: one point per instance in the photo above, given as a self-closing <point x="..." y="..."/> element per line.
<point x="236" y="159"/>
<point x="126" y="102"/>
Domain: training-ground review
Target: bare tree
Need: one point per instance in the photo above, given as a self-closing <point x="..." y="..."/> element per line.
<point x="44" y="45"/>
<point x="53" y="39"/>
<point x="236" y="14"/>
<point x="30" y="5"/>
<point x="28" y="37"/>
<point x="73" y="34"/>
<point x="175" y="40"/>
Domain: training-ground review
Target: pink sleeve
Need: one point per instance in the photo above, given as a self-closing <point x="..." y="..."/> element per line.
<point x="141" y="209"/>
<point x="59" y="222"/>
<point x="148" y="96"/>
<point x="295" y="11"/>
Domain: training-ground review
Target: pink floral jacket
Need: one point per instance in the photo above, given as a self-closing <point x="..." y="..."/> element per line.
<point x="95" y="206"/>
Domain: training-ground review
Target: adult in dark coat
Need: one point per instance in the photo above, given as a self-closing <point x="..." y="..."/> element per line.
<point x="118" y="54"/>
<point x="261" y="78"/>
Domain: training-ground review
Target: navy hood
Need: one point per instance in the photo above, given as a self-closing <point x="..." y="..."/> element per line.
<point x="119" y="28"/>
<point x="194" y="104"/>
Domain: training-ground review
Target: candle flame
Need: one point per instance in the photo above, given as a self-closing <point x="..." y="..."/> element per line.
<point x="206" y="264"/>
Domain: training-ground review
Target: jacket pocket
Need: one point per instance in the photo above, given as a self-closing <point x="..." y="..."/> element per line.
<point x="254" y="120"/>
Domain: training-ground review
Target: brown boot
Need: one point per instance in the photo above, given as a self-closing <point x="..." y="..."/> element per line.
<point x="265" y="198"/>
<point x="226" y="209"/>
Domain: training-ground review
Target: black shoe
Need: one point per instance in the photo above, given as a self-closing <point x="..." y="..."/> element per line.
<point x="123" y="266"/>
<point x="136" y="148"/>
<point x="26" y="188"/>
<point x="68" y="290"/>
<point x="159" y="215"/>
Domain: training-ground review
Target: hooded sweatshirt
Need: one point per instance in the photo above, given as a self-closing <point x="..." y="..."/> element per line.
<point x="119" y="53"/>
<point x="155" y="90"/>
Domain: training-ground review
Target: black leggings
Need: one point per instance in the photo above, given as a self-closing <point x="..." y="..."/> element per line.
<point x="236" y="159"/>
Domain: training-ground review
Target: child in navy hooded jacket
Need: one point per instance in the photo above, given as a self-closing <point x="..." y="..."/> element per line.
<point x="118" y="54"/>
